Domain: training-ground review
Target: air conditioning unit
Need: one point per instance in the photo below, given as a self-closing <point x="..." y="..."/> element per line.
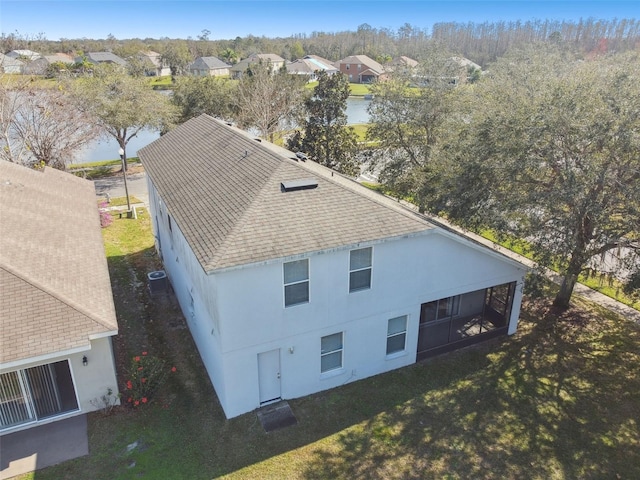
<point x="158" y="282"/>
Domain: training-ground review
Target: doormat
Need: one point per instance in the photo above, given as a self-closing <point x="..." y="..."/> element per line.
<point x="274" y="417"/>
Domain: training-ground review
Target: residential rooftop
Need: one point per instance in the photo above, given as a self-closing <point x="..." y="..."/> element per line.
<point x="55" y="291"/>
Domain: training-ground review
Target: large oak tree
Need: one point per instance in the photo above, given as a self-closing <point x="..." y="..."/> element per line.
<point x="549" y="152"/>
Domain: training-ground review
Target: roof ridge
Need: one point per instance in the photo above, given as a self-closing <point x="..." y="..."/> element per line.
<point x="61" y="298"/>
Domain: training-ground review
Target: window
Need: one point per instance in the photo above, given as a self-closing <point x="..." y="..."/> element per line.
<point x="439" y="309"/>
<point x="347" y="66"/>
<point x="331" y="352"/>
<point x="296" y="282"/>
<point x="396" y="334"/>
<point x="360" y="269"/>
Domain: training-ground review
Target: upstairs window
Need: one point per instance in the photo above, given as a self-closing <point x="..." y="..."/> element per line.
<point x="296" y="282"/>
<point x="360" y="269"/>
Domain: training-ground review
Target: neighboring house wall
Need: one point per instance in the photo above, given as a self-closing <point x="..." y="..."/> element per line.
<point x="238" y="314"/>
<point x="361" y="69"/>
<point x="10" y="65"/>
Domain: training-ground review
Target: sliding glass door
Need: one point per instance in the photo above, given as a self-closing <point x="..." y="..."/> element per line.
<point x="36" y="393"/>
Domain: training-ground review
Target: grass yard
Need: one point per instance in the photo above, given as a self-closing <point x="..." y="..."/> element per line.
<point x="558" y="400"/>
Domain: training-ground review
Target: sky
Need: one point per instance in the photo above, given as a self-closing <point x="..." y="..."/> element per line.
<point x="228" y="19"/>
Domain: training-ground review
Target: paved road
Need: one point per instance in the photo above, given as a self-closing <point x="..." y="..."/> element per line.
<point x="114" y="186"/>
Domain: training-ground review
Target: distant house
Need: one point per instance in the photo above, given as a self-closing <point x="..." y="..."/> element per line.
<point x="467" y="69"/>
<point x="56" y="305"/>
<point x="361" y="69"/>
<point x="102" y="57"/>
<point x="402" y="64"/>
<point x="24" y="54"/>
<point x="275" y="61"/>
<point x="209" y="67"/>
<point x="294" y="279"/>
<point x="10" y="65"/>
<point x="309" y="65"/>
<point x="40" y="65"/>
<point x="157" y="66"/>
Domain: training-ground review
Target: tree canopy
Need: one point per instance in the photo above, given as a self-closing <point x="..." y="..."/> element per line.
<point x="407" y="114"/>
<point x="268" y="100"/>
<point x="122" y="105"/>
<point x="41" y="127"/>
<point x="547" y="150"/>
<point x="211" y="95"/>
<point x="325" y="138"/>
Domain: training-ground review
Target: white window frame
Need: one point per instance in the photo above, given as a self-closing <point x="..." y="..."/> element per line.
<point x="361" y="269"/>
<point x="403" y="350"/>
<point x="332" y="352"/>
<point x="295" y="282"/>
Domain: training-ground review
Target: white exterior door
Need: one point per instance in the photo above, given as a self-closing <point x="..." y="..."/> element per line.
<point x="269" y="376"/>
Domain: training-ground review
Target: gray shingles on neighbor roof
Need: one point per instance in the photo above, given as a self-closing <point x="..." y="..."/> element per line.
<point x="55" y="291"/>
<point x="223" y="189"/>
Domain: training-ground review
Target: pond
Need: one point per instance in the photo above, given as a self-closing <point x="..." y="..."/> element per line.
<point x="107" y="148"/>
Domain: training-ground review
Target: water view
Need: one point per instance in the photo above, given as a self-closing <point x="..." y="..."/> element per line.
<point x="107" y="148"/>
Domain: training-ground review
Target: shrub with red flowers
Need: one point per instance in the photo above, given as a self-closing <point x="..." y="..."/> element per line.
<point x="146" y="375"/>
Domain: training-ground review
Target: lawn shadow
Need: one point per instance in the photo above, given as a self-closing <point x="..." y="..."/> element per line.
<point x="558" y="400"/>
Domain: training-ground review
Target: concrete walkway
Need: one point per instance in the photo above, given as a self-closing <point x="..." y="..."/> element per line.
<point x="43" y="446"/>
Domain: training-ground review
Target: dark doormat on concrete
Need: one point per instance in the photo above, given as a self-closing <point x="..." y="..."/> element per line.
<point x="276" y="416"/>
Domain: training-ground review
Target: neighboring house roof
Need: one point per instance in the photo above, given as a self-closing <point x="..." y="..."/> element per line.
<point x="30" y="54"/>
<point x="465" y="62"/>
<point x="212" y="63"/>
<point x="255" y="58"/>
<point x="55" y="292"/>
<point x="59" y="57"/>
<point x="363" y="60"/>
<point x="310" y="64"/>
<point x="225" y="195"/>
<point x="105" y="57"/>
<point x="403" y="61"/>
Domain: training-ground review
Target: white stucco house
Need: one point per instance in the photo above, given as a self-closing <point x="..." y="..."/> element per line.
<point x="294" y="279"/>
<point x="57" y="315"/>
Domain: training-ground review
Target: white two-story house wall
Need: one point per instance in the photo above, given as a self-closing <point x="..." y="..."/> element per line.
<point x="294" y="279"/>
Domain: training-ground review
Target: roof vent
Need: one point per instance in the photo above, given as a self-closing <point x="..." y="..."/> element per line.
<point x="258" y="140"/>
<point x="302" y="184"/>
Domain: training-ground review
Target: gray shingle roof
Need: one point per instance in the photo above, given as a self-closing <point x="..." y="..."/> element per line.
<point x="209" y="62"/>
<point x="223" y="189"/>
<point x="55" y="290"/>
<point x="100" y="57"/>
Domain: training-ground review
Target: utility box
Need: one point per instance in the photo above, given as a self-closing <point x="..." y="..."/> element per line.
<point x="158" y="282"/>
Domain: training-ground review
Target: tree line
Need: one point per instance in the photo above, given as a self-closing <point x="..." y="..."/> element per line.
<point x="483" y="43"/>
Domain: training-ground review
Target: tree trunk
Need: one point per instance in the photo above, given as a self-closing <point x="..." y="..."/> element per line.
<point x="570" y="279"/>
<point x="566" y="289"/>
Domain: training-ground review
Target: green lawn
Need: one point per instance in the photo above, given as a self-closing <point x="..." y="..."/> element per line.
<point x="558" y="400"/>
